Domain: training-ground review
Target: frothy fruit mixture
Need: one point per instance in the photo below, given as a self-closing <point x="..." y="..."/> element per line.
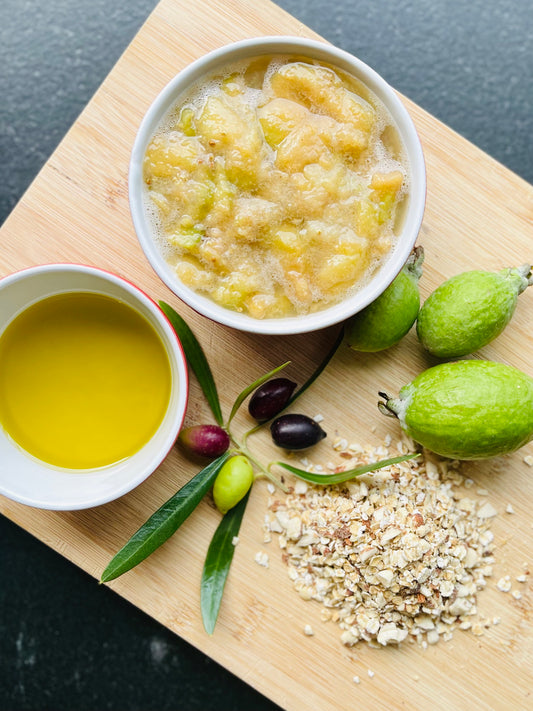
<point x="85" y="380"/>
<point x="276" y="188"/>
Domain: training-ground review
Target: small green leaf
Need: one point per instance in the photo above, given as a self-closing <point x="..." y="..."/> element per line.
<point x="244" y="394"/>
<point x="196" y="359"/>
<point x="341" y="477"/>
<point x="319" y="369"/>
<point x="164" y="522"/>
<point x="218" y="562"/>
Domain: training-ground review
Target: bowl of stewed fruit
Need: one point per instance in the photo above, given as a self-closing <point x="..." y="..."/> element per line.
<point x="277" y="185"/>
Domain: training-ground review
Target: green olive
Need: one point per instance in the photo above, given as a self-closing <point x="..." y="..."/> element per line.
<point x="232" y="483"/>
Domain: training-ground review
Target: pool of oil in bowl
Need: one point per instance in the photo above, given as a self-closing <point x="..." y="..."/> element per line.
<point x="85" y="380"/>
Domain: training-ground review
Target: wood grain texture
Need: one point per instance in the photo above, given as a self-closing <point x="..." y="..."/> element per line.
<point x="478" y="214"/>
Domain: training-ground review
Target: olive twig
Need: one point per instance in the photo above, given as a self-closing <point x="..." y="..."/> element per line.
<point x="243" y="449"/>
<point x="251" y="432"/>
<point x="264" y="471"/>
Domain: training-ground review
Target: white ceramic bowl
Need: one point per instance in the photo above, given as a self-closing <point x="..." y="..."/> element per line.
<point x="30" y="481"/>
<point x="282" y="46"/>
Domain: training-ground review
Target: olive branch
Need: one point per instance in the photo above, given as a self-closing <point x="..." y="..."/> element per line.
<point x="162" y="524"/>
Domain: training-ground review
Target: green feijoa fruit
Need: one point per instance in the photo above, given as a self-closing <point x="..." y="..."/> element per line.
<point x="387" y="319"/>
<point x="232" y="483"/>
<point x="469" y="310"/>
<point x="468" y="409"/>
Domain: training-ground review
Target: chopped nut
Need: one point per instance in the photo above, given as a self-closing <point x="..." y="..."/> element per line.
<point x="504" y="584"/>
<point x="528" y="459"/>
<point x="446" y="588"/>
<point x="509" y="509"/>
<point x="340" y="444"/>
<point x="261" y="558"/>
<point x="418" y="520"/>
<point x="477" y="629"/>
<point x="300" y="487"/>
<point x="432" y="637"/>
<point x="308" y="631"/>
<point x="235" y="540"/>
<point x="486" y="511"/>
<point x="390" y="633"/>
<point x="293" y="529"/>
<point x="399" y="555"/>
<point x="385" y="577"/>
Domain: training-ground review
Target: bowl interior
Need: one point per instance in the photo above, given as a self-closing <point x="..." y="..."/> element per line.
<point x="413" y="211"/>
<point x="30" y="481"/>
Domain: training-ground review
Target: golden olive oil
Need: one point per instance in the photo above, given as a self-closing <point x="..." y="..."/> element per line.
<point x="85" y="380"/>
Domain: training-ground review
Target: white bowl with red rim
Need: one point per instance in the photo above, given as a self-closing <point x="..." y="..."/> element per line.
<point x="30" y="481"/>
<point x="312" y="49"/>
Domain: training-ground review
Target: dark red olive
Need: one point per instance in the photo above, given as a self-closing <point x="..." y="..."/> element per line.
<point x="296" y="431"/>
<point x="270" y="398"/>
<point x="205" y="440"/>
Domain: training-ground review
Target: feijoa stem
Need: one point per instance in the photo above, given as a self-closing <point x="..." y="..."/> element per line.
<point x="390" y="407"/>
<point x="520" y="277"/>
<point x="526" y="271"/>
<point x="413" y="265"/>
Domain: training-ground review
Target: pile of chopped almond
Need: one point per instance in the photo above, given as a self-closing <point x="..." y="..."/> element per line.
<point x="398" y="554"/>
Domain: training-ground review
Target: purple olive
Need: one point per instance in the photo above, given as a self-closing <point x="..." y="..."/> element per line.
<point x="270" y="398"/>
<point x="296" y="431"/>
<point x="205" y="440"/>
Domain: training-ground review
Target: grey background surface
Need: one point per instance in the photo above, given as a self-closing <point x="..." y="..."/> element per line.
<point x="65" y="642"/>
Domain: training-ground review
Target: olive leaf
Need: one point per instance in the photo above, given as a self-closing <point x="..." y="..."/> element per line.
<point x="318" y="370"/>
<point x="196" y="358"/>
<point x="244" y="394"/>
<point x="218" y="562"/>
<point x="164" y="522"/>
<point x="340" y="477"/>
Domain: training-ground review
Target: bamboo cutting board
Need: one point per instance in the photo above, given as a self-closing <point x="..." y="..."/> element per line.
<point x="478" y="214"/>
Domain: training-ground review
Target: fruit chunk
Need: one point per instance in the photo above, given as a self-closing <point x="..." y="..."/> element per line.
<point x="232" y="131"/>
<point x="300" y="148"/>
<point x="322" y="88"/>
<point x="279" y="117"/>
<point x="168" y="154"/>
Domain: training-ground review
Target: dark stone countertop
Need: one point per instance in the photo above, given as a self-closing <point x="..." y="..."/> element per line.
<point x="65" y="642"/>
